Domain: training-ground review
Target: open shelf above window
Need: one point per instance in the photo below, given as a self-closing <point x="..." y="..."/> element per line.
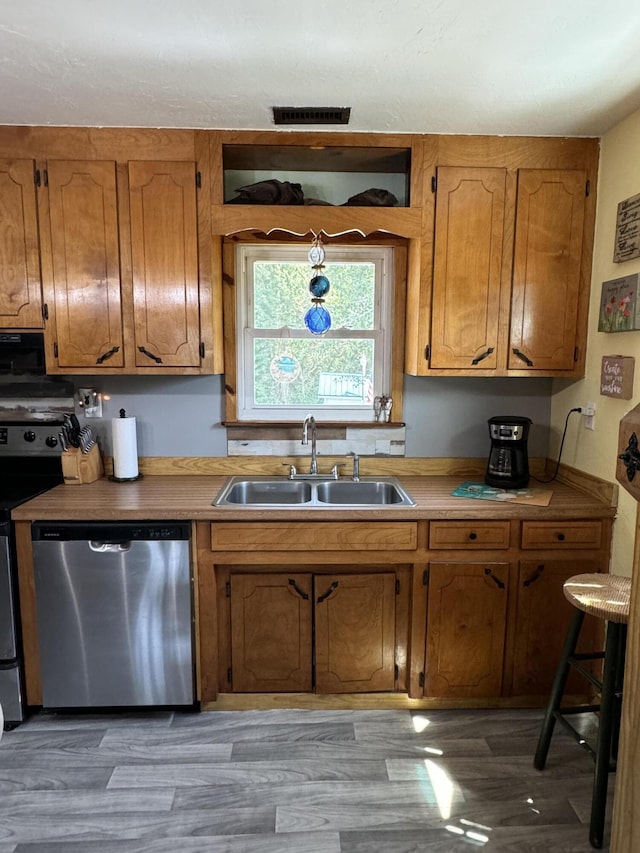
<point x="327" y="174"/>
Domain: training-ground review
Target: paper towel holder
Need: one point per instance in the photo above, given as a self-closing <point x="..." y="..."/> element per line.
<point x="113" y="477"/>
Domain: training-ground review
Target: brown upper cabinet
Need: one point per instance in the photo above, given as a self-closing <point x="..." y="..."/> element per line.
<point x="471" y="270"/>
<point x="20" y="288"/>
<point x="467" y="268"/>
<point x="164" y="255"/>
<point x="498" y="231"/>
<point x="120" y="267"/>
<point x="546" y="269"/>
<point x="505" y="258"/>
<point x="81" y="259"/>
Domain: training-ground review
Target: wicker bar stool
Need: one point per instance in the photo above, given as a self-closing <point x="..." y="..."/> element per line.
<point x="606" y="597"/>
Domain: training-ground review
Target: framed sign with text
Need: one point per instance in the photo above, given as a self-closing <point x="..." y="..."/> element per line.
<point x="616" y="376"/>
<point x="627" y="241"/>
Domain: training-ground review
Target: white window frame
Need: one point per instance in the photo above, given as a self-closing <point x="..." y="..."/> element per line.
<point x="246" y="254"/>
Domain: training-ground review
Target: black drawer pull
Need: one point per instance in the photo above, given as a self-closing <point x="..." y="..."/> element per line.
<point x="560" y="537"/>
<point x="473" y="536"/>
<point x="150" y="355"/>
<point x="522" y="356"/>
<point x="106" y="355"/>
<point x="300" y="592"/>
<point x="326" y="595"/>
<point x="495" y="579"/>
<point x="484" y="355"/>
<point x="534" y="577"/>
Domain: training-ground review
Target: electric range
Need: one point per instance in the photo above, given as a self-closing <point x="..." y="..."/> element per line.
<point x="30" y="463"/>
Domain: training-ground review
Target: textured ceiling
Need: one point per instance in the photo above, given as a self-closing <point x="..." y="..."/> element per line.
<point x="538" y="67"/>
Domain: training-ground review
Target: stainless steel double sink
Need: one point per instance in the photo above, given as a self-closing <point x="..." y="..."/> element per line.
<point x="312" y="492"/>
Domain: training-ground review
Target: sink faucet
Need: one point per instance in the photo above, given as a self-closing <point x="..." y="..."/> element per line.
<point x="310" y="421"/>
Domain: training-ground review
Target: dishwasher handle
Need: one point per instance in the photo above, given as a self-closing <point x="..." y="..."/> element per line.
<point x="100" y="547"/>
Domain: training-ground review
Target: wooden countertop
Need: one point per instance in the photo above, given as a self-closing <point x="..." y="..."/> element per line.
<point x="178" y="497"/>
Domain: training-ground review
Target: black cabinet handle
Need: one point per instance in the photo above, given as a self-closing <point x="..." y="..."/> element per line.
<point x="534" y="577"/>
<point x="326" y="595"/>
<point x="106" y="355"/>
<point x="522" y="356"/>
<point x="300" y="592"/>
<point x="146" y="352"/>
<point x="560" y="537"/>
<point x="495" y="579"/>
<point x="473" y="536"/>
<point x="484" y="355"/>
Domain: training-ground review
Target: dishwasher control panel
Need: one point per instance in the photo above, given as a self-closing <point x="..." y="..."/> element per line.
<point x="110" y="531"/>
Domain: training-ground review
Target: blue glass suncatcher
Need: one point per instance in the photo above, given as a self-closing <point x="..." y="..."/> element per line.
<point x="319" y="285"/>
<point x="317" y="319"/>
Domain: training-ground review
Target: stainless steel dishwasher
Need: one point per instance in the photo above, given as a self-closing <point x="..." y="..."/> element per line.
<point x="114" y="613"/>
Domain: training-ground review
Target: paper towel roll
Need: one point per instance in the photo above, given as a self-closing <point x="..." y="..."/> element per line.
<point x="125" y="448"/>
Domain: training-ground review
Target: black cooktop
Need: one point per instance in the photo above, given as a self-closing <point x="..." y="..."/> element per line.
<point x="13" y="493"/>
<point x="27" y="467"/>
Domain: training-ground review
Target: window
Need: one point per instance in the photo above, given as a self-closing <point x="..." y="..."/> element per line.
<point x="284" y="371"/>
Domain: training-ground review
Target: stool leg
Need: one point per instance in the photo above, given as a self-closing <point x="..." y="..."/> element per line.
<point x="557" y="690"/>
<point x="605" y="734"/>
<point x="622" y="648"/>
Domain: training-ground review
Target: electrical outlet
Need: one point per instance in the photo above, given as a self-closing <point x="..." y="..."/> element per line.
<point x="589" y="414"/>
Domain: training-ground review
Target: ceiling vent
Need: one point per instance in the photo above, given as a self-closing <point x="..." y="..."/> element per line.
<point x="311" y="115"/>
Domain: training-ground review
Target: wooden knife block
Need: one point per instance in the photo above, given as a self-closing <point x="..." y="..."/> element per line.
<point x="79" y="468"/>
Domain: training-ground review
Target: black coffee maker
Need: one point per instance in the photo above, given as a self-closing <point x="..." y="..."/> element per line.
<point x="508" y="466"/>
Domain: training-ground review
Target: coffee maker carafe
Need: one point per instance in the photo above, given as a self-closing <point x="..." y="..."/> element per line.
<point x="508" y="466"/>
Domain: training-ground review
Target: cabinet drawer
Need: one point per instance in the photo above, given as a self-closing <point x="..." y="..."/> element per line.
<point x="468" y="534"/>
<point x="314" y="536"/>
<point x="561" y="534"/>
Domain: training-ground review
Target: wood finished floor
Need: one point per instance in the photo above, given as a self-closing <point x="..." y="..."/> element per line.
<point x="292" y="781"/>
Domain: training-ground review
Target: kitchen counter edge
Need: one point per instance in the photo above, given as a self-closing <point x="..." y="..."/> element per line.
<point x="191" y="497"/>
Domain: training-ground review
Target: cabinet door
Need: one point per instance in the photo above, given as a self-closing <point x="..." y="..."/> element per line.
<point x="466" y="624"/>
<point x="20" y="291"/>
<point x="355" y="632"/>
<point x="85" y="263"/>
<point x="271" y="632"/>
<point x="469" y="225"/>
<point x="542" y="618"/>
<point x="546" y="269"/>
<point x="164" y="256"/>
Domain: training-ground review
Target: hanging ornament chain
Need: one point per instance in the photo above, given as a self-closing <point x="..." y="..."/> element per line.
<point x="317" y="319"/>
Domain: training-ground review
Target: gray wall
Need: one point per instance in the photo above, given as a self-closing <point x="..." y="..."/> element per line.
<point x="448" y="416"/>
<point x="181" y="415"/>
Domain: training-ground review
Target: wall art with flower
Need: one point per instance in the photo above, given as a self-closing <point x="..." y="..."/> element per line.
<point x="619" y="305"/>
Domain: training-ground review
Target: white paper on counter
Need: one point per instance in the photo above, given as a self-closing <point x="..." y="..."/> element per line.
<point x="125" y="448"/>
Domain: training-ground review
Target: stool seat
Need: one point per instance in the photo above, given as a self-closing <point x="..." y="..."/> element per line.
<point x="605" y="596"/>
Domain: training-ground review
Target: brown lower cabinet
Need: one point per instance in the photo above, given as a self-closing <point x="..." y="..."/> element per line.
<point x="451" y="609"/>
<point x="332" y="633"/>
<point x="542" y="617"/>
<point x="469" y="630"/>
<point x="466" y="628"/>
